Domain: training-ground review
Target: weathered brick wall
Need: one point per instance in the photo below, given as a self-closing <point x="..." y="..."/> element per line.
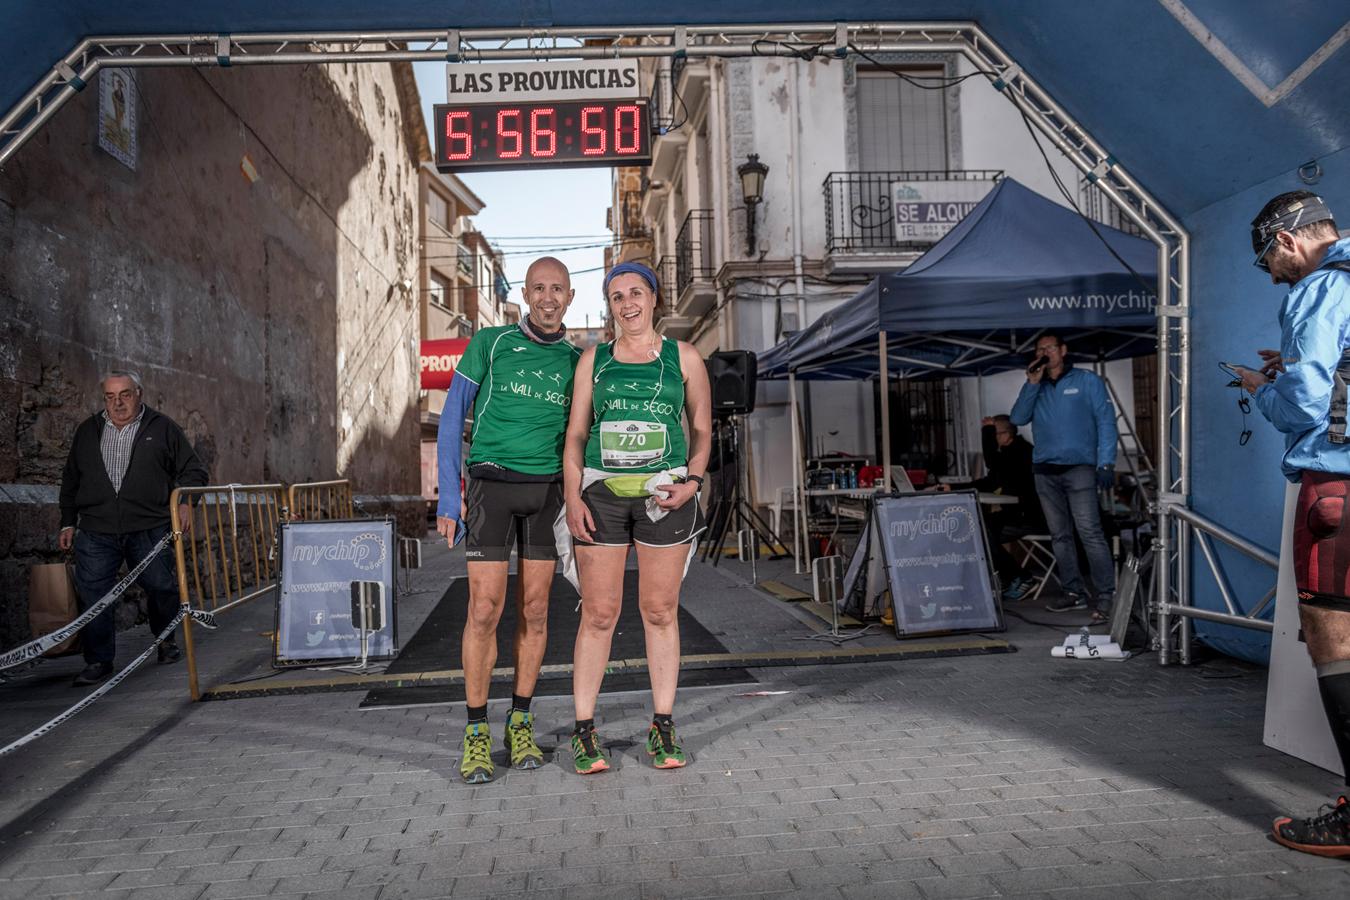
<point x="268" y="315"/>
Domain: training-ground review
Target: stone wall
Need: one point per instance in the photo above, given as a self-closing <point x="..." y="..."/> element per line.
<point x="258" y="268"/>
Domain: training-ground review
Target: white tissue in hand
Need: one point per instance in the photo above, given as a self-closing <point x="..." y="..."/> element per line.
<point x="660" y="479"/>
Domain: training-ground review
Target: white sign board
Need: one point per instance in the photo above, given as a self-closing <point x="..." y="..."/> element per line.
<point x="1296" y="723"/>
<point x="927" y="210"/>
<point x="593" y="79"/>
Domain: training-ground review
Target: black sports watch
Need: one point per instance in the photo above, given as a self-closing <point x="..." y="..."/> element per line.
<point x="695" y="478"/>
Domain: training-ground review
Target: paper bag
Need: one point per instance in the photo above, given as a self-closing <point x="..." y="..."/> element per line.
<point x="52" y="604"/>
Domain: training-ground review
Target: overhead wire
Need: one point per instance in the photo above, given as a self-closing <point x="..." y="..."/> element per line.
<point x="1073" y="204"/>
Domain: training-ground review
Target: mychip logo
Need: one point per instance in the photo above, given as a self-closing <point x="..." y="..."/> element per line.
<point x="954" y="522"/>
<point x="366" y="552"/>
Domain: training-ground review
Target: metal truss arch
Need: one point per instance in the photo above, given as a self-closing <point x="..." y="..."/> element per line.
<point x="804" y="40"/>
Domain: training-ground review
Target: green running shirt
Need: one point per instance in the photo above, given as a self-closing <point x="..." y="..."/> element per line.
<point x="636" y="426"/>
<point x="524" y="392"/>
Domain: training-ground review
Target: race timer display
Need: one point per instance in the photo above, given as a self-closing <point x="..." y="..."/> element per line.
<point x="529" y="135"/>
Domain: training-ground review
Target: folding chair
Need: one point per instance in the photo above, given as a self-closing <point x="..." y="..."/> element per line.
<point x="1038" y="559"/>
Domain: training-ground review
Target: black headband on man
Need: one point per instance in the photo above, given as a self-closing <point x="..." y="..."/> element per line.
<point x="1291" y="216"/>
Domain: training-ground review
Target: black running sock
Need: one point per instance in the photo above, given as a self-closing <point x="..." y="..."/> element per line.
<point x="520" y="703"/>
<point x="476" y="713"/>
<point x="1335" y="691"/>
<point x="583" y="726"/>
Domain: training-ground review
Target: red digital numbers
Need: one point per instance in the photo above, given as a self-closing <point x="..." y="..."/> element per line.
<point x="629" y="129"/>
<point x="543" y="140"/>
<point x="560" y="132"/>
<point x="458" y="137"/>
<point x="510" y="142"/>
<point x="593" y="130"/>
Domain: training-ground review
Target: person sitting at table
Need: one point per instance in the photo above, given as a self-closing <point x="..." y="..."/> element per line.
<point x="1007" y="461"/>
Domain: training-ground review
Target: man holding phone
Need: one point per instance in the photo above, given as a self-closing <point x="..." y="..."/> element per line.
<point x="1301" y="389"/>
<point x="1074" y="425"/>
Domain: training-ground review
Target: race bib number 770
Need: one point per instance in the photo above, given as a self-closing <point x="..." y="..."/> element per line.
<point x="631" y="444"/>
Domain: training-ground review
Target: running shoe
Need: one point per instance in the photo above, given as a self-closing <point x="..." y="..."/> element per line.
<point x="1325" y="835"/>
<point x="520" y="744"/>
<point x="476" y="765"/>
<point x="1018" y="588"/>
<point x="1067" y="603"/>
<point x="665" y="752"/>
<point x="587" y="753"/>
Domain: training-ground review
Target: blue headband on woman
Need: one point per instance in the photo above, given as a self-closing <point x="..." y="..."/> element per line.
<point x="632" y="268"/>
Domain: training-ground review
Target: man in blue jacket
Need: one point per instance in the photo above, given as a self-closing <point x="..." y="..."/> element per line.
<point x="1302" y="391"/>
<point x="1074" y="424"/>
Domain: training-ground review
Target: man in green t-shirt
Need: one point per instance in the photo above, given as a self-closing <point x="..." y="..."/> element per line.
<point x="518" y="381"/>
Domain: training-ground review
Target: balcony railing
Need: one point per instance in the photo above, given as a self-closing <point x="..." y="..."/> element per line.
<point x="464" y="260"/>
<point x="665" y="103"/>
<point x="860" y="217"/>
<point x="1094" y="203"/>
<point x="665" y="271"/>
<point x="693" y="249"/>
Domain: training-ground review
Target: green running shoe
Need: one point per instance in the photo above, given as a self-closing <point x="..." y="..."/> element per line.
<point x="665" y="752"/>
<point x="476" y="765"/>
<point x="525" y="753"/>
<point x="587" y="753"/>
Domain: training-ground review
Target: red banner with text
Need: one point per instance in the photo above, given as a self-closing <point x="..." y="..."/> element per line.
<point x="438" y="359"/>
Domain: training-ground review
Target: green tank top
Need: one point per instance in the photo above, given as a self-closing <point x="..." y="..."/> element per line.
<point x="637" y="409"/>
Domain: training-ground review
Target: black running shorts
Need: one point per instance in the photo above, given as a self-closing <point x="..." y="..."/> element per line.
<point x="501" y="513"/>
<point x="620" y="521"/>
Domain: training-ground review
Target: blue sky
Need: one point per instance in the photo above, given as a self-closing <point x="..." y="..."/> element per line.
<point x="547" y="202"/>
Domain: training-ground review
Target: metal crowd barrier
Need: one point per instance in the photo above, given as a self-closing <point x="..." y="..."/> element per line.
<point x="226" y="555"/>
<point x="320" y="500"/>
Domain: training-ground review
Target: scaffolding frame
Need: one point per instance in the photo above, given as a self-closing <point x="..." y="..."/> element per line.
<point x="795" y="40"/>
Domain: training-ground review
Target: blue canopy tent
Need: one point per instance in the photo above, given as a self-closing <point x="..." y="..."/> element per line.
<point x="1017" y="265"/>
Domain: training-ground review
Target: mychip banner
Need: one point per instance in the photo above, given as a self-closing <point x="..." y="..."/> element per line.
<point x="319" y="562"/>
<point x="937" y="563"/>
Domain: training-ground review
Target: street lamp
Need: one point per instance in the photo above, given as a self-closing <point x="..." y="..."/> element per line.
<point x="752" y="173"/>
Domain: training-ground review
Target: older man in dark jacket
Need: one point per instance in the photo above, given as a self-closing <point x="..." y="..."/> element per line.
<point x="123" y="466"/>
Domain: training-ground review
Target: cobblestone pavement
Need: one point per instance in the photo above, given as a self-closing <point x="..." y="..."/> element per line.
<point x="999" y="775"/>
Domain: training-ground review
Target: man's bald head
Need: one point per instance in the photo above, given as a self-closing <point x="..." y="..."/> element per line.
<point x="547" y="292"/>
<point x="547" y="267"/>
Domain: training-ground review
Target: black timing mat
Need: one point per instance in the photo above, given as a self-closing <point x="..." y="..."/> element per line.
<point x="436" y="646"/>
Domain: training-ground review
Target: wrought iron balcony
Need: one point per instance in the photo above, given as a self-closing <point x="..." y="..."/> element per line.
<point x="860" y="212"/>
<point x="693" y="250"/>
<point x="665" y="271"/>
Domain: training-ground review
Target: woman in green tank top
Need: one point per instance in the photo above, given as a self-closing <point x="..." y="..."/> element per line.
<point x="631" y="478"/>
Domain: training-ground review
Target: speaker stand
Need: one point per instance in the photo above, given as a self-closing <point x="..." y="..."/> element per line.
<point x="724" y="511"/>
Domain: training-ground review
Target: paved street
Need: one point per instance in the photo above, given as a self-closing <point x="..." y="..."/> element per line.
<point x="994" y="775"/>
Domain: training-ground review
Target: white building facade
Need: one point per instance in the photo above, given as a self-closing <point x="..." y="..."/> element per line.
<point x="835" y="135"/>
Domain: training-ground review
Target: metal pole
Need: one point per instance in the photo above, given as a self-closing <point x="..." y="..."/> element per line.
<point x="1210" y="615"/>
<point x="181" y="563"/>
<point x="798" y="538"/>
<point x="1241" y="544"/>
<point x="884" y="382"/>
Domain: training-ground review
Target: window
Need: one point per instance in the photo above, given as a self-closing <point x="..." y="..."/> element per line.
<point x="900" y="127"/>
<point x="440" y="291"/>
<point x="438" y="210"/>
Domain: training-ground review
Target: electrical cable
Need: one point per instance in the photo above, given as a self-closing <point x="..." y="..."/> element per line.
<point x="912" y="79"/>
<point x="1073" y="204"/>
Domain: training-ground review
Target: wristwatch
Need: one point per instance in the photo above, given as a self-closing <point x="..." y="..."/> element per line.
<point x="698" y="479"/>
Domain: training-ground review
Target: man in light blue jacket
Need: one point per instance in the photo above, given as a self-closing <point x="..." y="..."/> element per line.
<point x="1074" y="423"/>
<point x="1302" y="390"/>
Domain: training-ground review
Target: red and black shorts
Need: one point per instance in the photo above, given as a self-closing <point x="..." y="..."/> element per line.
<point x="1322" y="540"/>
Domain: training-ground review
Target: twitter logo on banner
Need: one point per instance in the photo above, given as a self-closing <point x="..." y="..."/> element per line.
<point x="928" y="610"/>
<point x="314" y="638"/>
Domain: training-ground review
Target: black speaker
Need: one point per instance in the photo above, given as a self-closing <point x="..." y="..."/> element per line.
<point x="732" y="376"/>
